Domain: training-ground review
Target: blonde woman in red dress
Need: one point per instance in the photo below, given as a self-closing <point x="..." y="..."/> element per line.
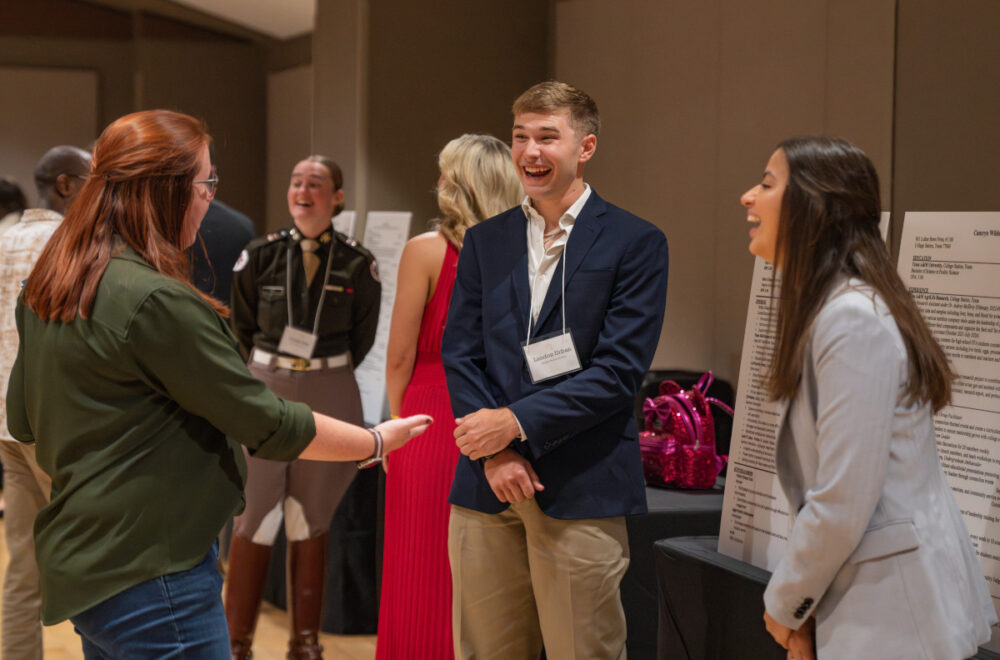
<point x="478" y="181"/>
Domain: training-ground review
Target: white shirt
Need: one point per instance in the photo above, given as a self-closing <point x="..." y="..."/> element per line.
<point x="20" y="247"/>
<point x="541" y="260"/>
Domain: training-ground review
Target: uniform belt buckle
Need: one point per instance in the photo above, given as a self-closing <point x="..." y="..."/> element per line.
<point x="300" y="364"/>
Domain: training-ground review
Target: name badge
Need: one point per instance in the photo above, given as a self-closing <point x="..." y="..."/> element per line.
<point x="297" y="342"/>
<point x="551" y="356"/>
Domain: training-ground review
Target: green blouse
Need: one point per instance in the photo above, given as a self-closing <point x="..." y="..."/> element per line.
<point x="131" y="409"/>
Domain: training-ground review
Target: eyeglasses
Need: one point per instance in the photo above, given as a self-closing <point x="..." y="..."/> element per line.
<point x="211" y="185"/>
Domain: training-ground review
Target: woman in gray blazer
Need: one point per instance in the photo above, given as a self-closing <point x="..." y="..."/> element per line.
<point x="879" y="563"/>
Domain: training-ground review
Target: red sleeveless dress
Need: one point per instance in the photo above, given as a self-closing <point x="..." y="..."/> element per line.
<point x="415" y="607"/>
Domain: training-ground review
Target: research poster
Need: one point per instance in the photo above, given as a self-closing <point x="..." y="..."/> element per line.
<point x="345" y="222"/>
<point x="386" y="232"/>
<point x="951" y="264"/>
<point x="755" y="512"/>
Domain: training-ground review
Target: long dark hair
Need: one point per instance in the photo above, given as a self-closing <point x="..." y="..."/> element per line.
<point x="828" y="229"/>
<point x="139" y="187"/>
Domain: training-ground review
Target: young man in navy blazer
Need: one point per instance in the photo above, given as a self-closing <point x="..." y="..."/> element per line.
<point x="554" y="318"/>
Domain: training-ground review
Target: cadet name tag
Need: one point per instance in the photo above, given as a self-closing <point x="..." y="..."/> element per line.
<point x="297" y="342"/>
<point x="550" y="357"/>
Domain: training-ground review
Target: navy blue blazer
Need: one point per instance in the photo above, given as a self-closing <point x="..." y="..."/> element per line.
<point x="582" y="438"/>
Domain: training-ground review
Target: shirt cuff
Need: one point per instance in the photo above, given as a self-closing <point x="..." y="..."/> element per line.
<point x="520" y="429"/>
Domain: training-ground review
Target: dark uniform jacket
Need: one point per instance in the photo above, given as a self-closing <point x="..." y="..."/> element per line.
<point x="261" y="291"/>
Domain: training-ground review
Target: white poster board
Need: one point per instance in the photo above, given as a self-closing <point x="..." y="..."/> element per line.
<point x="754" y="510"/>
<point x="386" y="232"/>
<point x="345" y="222"/>
<point x="951" y="264"/>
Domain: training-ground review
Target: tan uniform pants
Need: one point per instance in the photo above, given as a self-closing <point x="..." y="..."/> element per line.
<point x="521" y="577"/>
<point x="303" y="494"/>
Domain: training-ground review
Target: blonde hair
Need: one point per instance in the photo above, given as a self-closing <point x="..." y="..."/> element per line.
<point x="478" y="181"/>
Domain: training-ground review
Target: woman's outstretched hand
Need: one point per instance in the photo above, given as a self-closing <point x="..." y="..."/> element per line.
<point x="396" y="432"/>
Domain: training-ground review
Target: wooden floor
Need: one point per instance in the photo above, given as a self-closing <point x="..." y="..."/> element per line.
<point x="270" y="642"/>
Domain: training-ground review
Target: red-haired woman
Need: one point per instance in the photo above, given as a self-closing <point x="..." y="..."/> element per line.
<point x="130" y="382"/>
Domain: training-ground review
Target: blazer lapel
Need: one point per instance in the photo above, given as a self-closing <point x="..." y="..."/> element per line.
<point x="581" y="239"/>
<point x="519" y="274"/>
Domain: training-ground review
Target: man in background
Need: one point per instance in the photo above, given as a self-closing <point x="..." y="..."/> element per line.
<point x="59" y="176"/>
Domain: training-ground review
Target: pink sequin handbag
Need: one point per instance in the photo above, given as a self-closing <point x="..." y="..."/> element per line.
<point x="678" y="443"/>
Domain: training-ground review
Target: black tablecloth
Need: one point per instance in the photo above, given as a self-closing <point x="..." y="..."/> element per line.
<point x="671" y="513"/>
<point x="711" y="605"/>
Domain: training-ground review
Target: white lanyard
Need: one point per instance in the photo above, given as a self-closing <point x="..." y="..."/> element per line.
<point x="554" y="355"/>
<point x="562" y="297"/>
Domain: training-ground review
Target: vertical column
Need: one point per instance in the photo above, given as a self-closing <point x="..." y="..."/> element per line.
<point x="340" y="101"/>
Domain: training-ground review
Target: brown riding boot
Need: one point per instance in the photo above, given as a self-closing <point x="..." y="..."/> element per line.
<point x="245" y="579"/>
<point x="307" y="577"/>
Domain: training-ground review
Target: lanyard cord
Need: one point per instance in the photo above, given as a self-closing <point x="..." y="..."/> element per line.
<point x="288" y="287"/>
<point x="562" y="297"/>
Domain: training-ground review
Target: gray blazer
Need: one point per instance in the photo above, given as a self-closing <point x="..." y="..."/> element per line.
<point x="877" y="549"/>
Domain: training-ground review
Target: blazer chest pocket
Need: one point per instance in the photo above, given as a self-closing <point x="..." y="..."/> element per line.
<point x="272" y="309"/>
<point x="886" y="539"/>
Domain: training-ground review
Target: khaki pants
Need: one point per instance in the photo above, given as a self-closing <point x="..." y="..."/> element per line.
<point x="26" y="490"/>
<point x="522" y="578"/>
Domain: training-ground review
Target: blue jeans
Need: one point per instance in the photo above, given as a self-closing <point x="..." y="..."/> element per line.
<point x="176" y="616"/>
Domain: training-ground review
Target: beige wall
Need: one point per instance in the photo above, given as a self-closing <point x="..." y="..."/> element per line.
<point x="289" y="136"/>
<point x="223" y="84"/>
<point x="395" y="80"/>
<point x="220" y="80"/>
<point x="947" y="146"/>
<point x="340" y="84"/>
<point x="38" y="120"/>
<point x="693" y="97"/>
<point x="110" y="60"/>
<point x="438" y="69"/>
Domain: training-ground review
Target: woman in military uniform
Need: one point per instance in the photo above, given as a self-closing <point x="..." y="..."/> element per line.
<point x="304" y="308"/>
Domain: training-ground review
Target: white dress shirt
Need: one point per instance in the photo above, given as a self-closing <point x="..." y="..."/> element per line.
<point x="541" y="260"/>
